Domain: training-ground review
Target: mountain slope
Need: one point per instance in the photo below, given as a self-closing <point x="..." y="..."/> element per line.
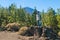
<point x="29" y="10"/>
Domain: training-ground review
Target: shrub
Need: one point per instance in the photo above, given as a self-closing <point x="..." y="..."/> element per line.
<point x="13" y="26"/>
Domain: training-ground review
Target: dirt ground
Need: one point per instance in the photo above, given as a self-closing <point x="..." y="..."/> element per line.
<point x="9" y="36"/>
<point x="13" y="36"/>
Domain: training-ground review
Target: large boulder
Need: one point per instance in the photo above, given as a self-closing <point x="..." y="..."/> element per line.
<point x="59" y="33"/>
<point x="29" y="31"/>
<point x="50" y="33"/>
<point x="13" y="26"/>
<point x="2" y="28"/>
<point x="23" y="30"/>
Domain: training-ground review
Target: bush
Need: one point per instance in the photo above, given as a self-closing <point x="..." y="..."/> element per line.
<point x="13" y="26"/>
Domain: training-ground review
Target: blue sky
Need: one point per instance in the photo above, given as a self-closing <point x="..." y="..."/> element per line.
<point x="39" y="4"/>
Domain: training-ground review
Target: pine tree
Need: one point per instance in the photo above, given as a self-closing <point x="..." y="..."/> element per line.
<point x="51" y="18"/>
<point x="34" y="17"/>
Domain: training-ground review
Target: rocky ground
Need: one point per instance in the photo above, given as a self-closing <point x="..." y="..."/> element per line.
<point x="9" y="36"/>
<point x="14" y="36"/>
